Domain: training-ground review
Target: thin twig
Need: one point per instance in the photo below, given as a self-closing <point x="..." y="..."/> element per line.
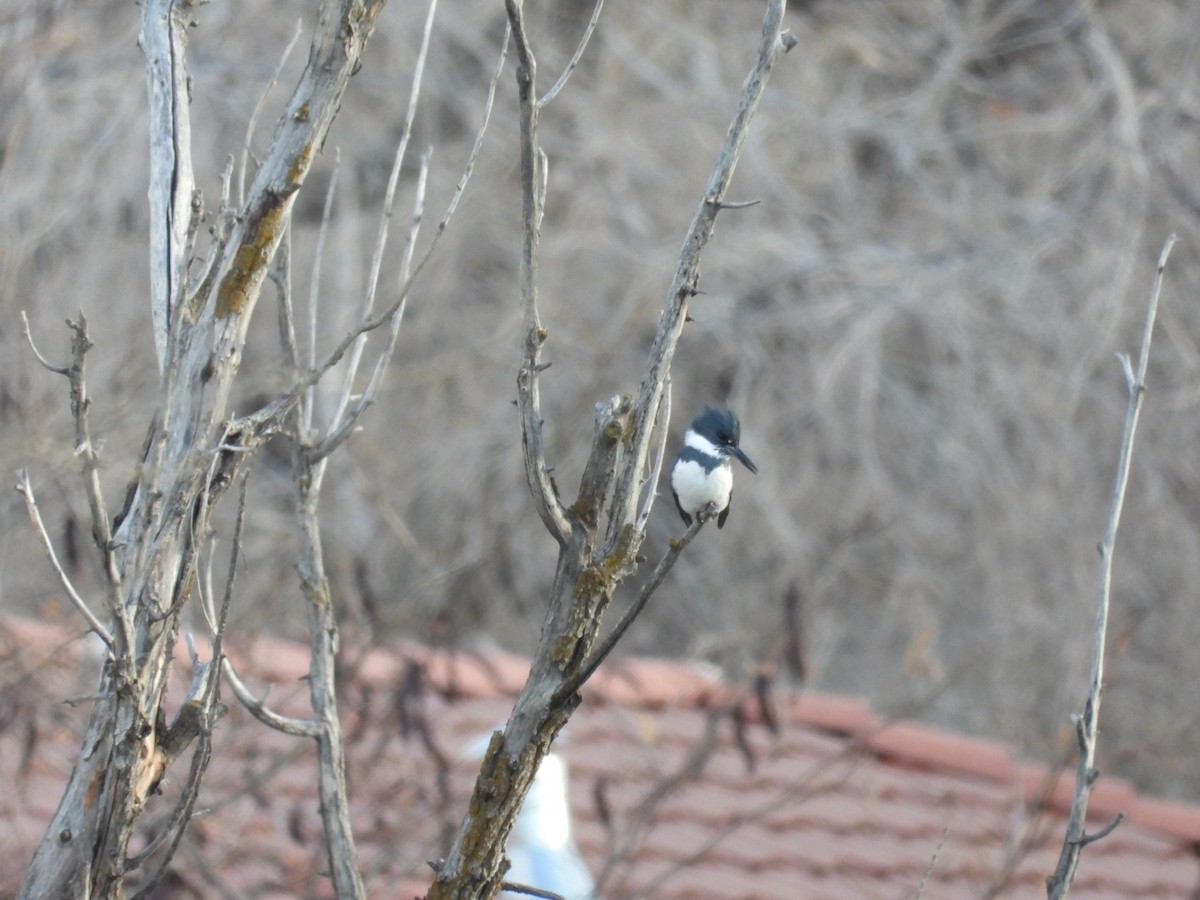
<point x="76" y="374"/>
<point x="314" y="293"/>
<point x="735" y="204"/>
<point x="46" y="364"/>
<point x="674" y="549"/>
<point x="533" y="180"/>
<point x="514" y="887"/>
<point x="381" y="237"/>
<point x="204" y="589"/>
<point x="575" y="57"/>
<point x="661" y="419"/>
<point x="1087" y="725"/>
<point x="281" y="276"/>
<point x="85" y="448"/>
<point x="937" y="851"/>
<point x="258" y="708"/>
<point x="1103" y="832"/>
<point x="344" y="425"/>
<point x="258" y="109"/>
<point x="25" y="489"/>
<point x="279" y="407"/>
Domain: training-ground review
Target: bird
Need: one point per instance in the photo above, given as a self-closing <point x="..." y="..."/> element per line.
<point x="702" y="473"/>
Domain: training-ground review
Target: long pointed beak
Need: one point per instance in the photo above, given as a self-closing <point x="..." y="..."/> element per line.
<point x="744" y="459"/>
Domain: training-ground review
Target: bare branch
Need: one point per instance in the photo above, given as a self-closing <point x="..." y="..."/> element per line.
<point x="533" y="180"/>
<point x="674" y="549"/>
<point x="46" y="364"/>
<point x="281" y="277"/>
<point x="314" y="293"/>
<point x="1103" y="832"/>
<point x="85" y="449"/>
<point x="575" y="57"/>
<point x="259" y="709"/>
<point x="198" y="714"/>
<point x="661" y="418"/>
<point x="307" y="477"/>
<point x="258" y="110"/>
<point x="515" y="888"/>
<point x="589" y="570"/>
<point x="316" y="372"/>
<point x="381" y="237"/>
<point x="163" y="38"/>
<point x="937" y="851"/>
<point x="25" y="489"/>
<point x="347" y="420"/>
<point x="685" y="282"/>
<point x="1076" y="839"/>
<point x="473" y="156"/>
<point x="344" y="419"/>
<point x="191" y="455"/>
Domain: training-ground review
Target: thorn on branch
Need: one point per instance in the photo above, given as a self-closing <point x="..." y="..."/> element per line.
<point x="542" y="367"/>
<point x="788" y="40"/>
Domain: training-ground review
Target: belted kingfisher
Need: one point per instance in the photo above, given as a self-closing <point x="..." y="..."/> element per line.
<point x="702" y="473"/>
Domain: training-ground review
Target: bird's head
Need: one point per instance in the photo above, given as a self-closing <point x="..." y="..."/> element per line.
<point x="721" y="428"/>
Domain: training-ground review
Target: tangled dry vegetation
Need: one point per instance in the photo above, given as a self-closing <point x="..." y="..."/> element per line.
<point x="961" y="206"/>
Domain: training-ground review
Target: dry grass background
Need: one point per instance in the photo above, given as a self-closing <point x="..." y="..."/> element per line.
<point x="962" y="203"/>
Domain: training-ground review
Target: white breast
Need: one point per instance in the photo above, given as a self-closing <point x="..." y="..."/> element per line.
<point x="696" y="488"/>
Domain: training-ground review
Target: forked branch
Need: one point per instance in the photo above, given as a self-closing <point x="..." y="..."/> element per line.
<point x="600" y="533"/>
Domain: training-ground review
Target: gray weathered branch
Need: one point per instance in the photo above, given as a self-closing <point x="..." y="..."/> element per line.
<point x="25" y="489"/>
<point x="163" y="40"/>
<point x="537" y="471"/>
<point x="1087" y="725"/>
<point x="193" y="455"/>
<point x="600" y="532"/>
<point x="685" y="282"/>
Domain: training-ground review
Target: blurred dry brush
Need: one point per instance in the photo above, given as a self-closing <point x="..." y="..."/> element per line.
<point x="962" y="204"/>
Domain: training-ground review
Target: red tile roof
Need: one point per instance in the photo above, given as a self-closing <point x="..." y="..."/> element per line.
<point x="681" y="785"/>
